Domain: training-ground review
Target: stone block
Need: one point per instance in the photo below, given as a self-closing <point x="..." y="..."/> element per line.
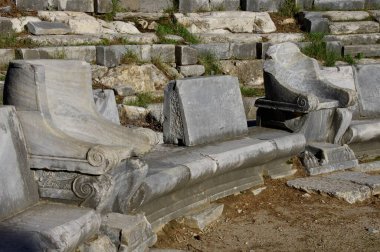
<point x="340" y="189"/>
<point x="337" y="28"/>
<point x="304" y="4"/>
<point x="364" y="50"/>
<point x="335" y="47"/>
<point x="146" y="5"/>
<point x="111" y="56"/>
<point x="48" y="28"/>
<point x="355" y="39"/>
<point x="5" y="25"/>
<point x="54" y="227"/>
<point x="192" y="70"/>
<point x="103" y="6"/>
<point x="203" y="110"/>
<point x="243" y="51"/>
<point x="76" y="5"/>
<point x="105" y="103"/>
<point x="85" y="53"/>
<point x="164" y="53"/>
<point x="6" y="55"/>
<point x="220" y="50"/>
<point x="339" y="4"/>
<point x="316" y="24"/>
<point x="201" y="218"/>
<point x="18" y="189"/>
<point x="102" y="243"/>
<point x="31" y="4"/>
<point x="227" y="5"/>
<point x="249" y="72"/>
<point x="186" y="55"/>
<point x="186" y="6"/>
<point x="261" y="5"/>
<point x="132" y="232"/>
<point x="249" y="107"/>
<point x="372" y="181"/>
<point x="372" y="4"/>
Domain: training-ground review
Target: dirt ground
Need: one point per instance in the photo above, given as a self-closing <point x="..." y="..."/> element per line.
<point x="282" y="219"/>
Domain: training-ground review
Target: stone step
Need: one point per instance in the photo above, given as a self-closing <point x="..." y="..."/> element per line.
<point x="355" y="39"/>
<point x="338" y="16"/>
<point x="340" y="4"/>
<point x="364" y="50"/>
<point x="338" y="28"/>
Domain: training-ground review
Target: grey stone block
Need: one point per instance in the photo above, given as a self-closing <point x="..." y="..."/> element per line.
<point x="192" y="70"/>
<point x="132" y="232"/>
<point x="243" y="51"/>
<point x="54" y="227"/>
<point x="102" y="243"/>
<point x="226" y="5"/>
<point x="31" y="4"/>
<point x="186" y="6"/>
<point x="220" y="50"/>
<point x="111" y="56"/>
<point x="105" y="103"/>
<point x="6" y="55"/>
<point x="103" y="6"/>
<point x="76" y="5"/>
<point x="335" y="47"/>
<point x="18" y="189"/>
<point x="261" y="5"/>
<point x="315" y="24"/>
<point x="186" y="55"/>
<point x="48" y="28"/>
<point x="5" y="25"/>
<point x="372" y="4"/>
<point x="355" y="39"/>
<point x="339" y="4"/>
<point x="85" y="53"/>
<point x="337" y="28"/>
<point x="372" y="181"/>
<point x="203" y="217"/>
<point x="165" y="53"/>
<point x="146" y="5"/>
<point x="364" y="50"/>
<point x="203" y="110"/>
<point x="304" y="4"/>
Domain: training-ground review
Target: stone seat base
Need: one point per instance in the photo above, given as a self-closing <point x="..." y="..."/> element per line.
<point x="362" y="131"/>
<point x="48" y="227"/>
<point x="180" y="178"/>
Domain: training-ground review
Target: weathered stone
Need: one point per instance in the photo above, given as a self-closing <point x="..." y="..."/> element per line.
<point x="61" y="40"/>
<point x="229" y="37"/>
<point x="156" y="112"/>
<point x="31" y="4"/>
<point x="133" y="232"/>
<point x="340" y="189"/>
<point x="231" y="21"/>
<point x="346" y="15"/>
<point x="102" y="243"/>
<point x="186" y="6"/>
<point x="5" y="25"/>
<point x="249" y="107"/>
<point x="19" y="24"/>
<point x="143" y="38"/>
<point x="304" y="4"/>
<point x="86" y="53"/>
<point x="243" y="51"/>
<point x="192" y="70"/>
<point x="203" y="217"/>
<point x="52" y="226"/>
<point x="220" y="50"/>
<point x="175" y="38"/>
<point x="76" y="5"/>
<point x="123" y="90"/>
<point x="6" y="9"/>
<point x="163" y="53"/>
<point x="364" y="50"/>
<point x="339" y="4"/>
<point x="261" y="5"/>
<point x="140" y="15"/>
<point x="6" y="55"/>
<point x="185" y="55"/>
<point x="226" y="5"/>
<point x="146" y="5"/>
<point x="18" y="188"/>
<point x="372" y="4"/>
<point x="47" y="28"/>
<point x="85" y="26"/>
<point x="105" y="103"/>
<point x="335" y="47"/>
<point x="212" y="96"/>
<point x="341" y="76"/>
<point x="144" y="78"/>
<point x="372" y="181"/>
<point x="355" y="39"/>
<point x="103" y="6"/>
<point x="124" y="27"/>
<point x="284" y="37"/>
<point x="316" y="24"/>
<point x="354" y="27"/>
<point x="249" y="72"/>
<point x="258" y="190"/>
<point x="133" y="113"/>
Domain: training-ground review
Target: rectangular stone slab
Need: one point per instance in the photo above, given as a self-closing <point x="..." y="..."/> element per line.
<point x="339" y="4"/>
<point x="17" y="187"/>
<point x="209" y="109"/>
<point x="48" y="28"/>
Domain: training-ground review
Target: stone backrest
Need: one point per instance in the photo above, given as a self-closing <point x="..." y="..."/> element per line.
<point x="290" y="77"/>
<point x="203" y="110"/>
<point x="61" y="91"/>
<point x="18" y="189"/>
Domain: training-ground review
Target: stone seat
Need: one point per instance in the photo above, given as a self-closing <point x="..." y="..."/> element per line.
<point x="362" y="131"/>
<point x="222" y="155"/>
<point x="27" y="224"/>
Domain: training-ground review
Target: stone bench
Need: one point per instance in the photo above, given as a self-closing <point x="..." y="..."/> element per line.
<point x="26" y="223"/>
<point x="218" y="154"/>
<point x="69" y="143"/>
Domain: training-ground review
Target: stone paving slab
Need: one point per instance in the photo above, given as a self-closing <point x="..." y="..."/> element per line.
<point x="354" y="27"/>
<point x="372" y="181"/>
<point x="48" y="28"/>
<point x="355" y="39"/>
